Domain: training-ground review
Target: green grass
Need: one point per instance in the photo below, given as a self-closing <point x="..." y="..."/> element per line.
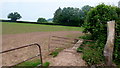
<point x="15" y="28"/>
<point x="56" y="52"/>
<point x="31" y="63"/>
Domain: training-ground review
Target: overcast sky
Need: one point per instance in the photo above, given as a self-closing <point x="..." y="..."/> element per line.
<point x="31" y="10"/>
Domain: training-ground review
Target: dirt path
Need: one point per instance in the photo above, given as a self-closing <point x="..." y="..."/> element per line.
<point x="16" y="40"/>
<point x="68" y="57"/>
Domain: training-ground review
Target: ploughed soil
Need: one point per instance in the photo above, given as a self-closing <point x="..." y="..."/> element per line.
<point x="42" y="38"/>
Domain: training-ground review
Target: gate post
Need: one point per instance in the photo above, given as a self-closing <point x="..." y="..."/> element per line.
<point x="109" y="46"/>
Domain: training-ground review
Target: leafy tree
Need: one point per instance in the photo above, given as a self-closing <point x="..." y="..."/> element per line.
<point x="119" y="4"/>
<point x="14" y="16"/>
<point x="98" y="17"/>
<point x="86" y="8"/>
<point x="69" y="16"/>
<point x="57" y="15"/>
<point x="41" y="20"/>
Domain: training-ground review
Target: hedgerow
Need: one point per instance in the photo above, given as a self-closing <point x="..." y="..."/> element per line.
<point x="96" y="25"/>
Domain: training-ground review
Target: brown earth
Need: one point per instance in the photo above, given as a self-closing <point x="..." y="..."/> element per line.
<point x="68" y="57"/>
<point x="42" y="38"/>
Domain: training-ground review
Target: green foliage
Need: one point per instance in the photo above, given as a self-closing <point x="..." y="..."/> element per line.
<point x="91" y="54"/>
<point x="86" y="9"/>
<point x="70" y="16"/>
<point x="41" y="20"/>
<point x="46" y="64"/>
<point x="80" y="49"/>
<point x="14" y="16"/>
<point x="116" y="56"/>
<point x="97" y="19"/>
<point x="57" y="15"/>
<point x="119" y="4"/>
<point x="67" y="16"/>
<point x="54" y="53"/>
<point x="96" y="24"/>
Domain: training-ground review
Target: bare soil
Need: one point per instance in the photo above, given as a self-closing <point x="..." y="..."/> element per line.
<point x="68" y="57"/>
<point x="42" y="38"/>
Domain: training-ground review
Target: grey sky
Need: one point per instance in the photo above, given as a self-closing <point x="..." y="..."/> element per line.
<point x="31" y="10"/>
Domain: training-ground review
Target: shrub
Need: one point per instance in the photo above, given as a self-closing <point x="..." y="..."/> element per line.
<point x="96" y="24"/>
<point x="41" y="20"/>
<point x="92" y="56"/>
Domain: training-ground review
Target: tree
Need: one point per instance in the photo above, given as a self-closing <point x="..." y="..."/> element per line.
<point x="14" y="16"/>
<point x="57" y="15"/>
<point x="119" y="4"/>
<point x="86" y="8"/>
<point x="41" y="20"/>
<point x="68" y="16"/>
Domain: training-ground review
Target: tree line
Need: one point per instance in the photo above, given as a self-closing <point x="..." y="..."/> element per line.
<point x="71" y="16"/>
<point x="66" y="16"/>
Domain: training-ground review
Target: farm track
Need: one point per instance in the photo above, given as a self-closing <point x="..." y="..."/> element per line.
<point x="16" y="40"/>
<point x="68" y="57"/>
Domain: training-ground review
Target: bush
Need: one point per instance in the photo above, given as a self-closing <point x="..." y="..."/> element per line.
<point x="96" y="24"/>
<point x="92" y="56"/>
<point x="41" y="20"/>
<point x="96" y="20"/>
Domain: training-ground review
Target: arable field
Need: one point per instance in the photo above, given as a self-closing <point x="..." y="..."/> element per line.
<point x="16" y="28"/>
<point x="18" y="34"/>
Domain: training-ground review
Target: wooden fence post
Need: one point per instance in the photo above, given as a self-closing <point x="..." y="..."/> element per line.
<point x="108" y="49"/>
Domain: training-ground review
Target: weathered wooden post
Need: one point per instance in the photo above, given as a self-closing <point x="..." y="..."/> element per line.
<point x="108" y="50"/>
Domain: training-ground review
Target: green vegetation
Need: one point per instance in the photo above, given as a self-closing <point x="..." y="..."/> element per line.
<point x="46" y="64"/>
<point x="96" y="25"/>
<point x="71" y="16"/>
<point x="91" y="54"/>
<point x="41" y="20"/>
<point x="15" y="28"/>
<point x="31" y="63"/>
<point x="56" y="52"/>
<point x="14" y="16"/>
